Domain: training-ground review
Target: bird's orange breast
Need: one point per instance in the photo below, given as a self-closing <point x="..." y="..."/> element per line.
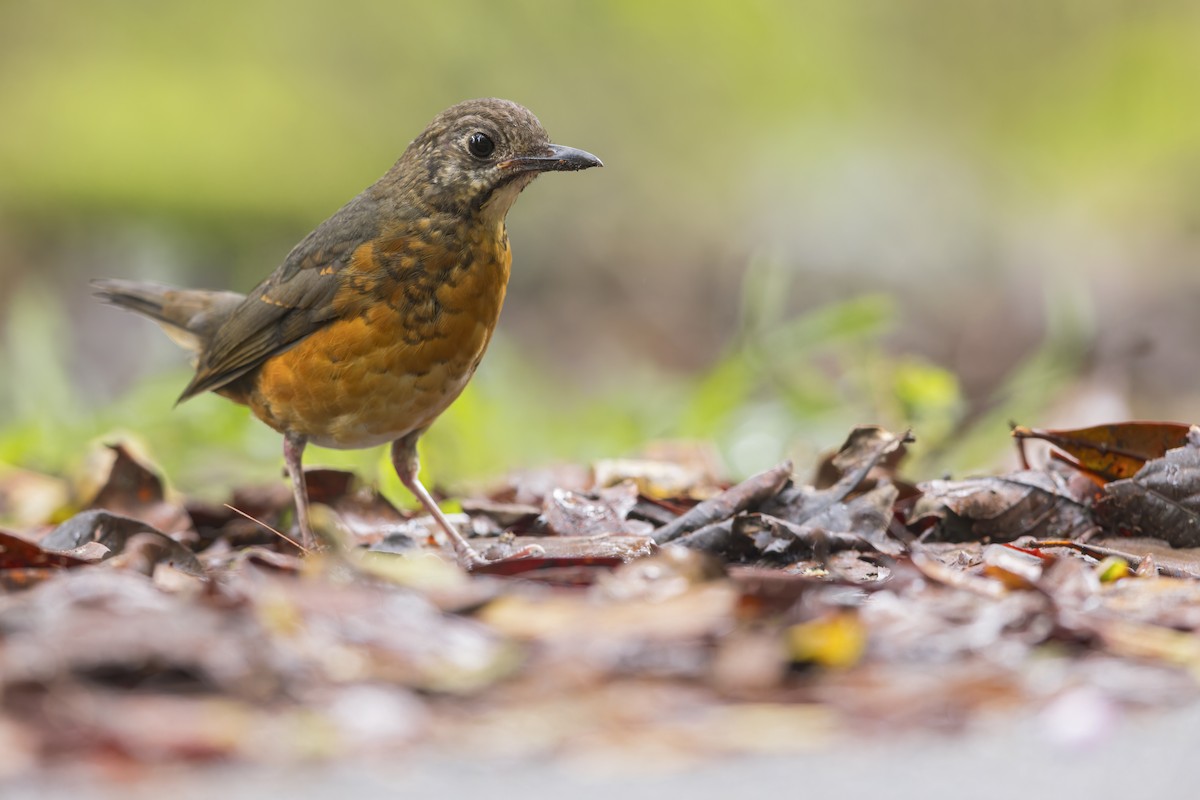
<point x="403" y="347"/>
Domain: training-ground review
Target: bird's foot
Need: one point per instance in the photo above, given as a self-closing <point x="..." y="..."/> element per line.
<point x="469" y="558"/>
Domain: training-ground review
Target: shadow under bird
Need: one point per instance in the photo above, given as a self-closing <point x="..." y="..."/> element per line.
<point x="374" y="323"/>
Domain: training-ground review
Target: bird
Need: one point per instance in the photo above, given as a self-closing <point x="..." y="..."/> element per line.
<point x="374" y="323"/>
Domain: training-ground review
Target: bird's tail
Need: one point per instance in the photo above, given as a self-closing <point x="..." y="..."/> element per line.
<point x="189" y="316"/>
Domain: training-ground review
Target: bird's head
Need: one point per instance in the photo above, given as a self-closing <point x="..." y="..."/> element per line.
<point x="474" y="158"/>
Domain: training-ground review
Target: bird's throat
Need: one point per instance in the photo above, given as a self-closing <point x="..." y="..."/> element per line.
<point x="496" y="207"/>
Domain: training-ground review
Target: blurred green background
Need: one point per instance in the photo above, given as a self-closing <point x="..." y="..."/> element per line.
<point x="812" y="215"/>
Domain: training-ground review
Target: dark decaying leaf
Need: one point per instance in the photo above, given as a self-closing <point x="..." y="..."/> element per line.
<point x="765" y="592"/>
<point x="328" y="485"/>
<point x="750" y="493"/>
<point x="1162" y="500"/>
<point x="1002" y="508"/>
<point x="800" y="521"/>
<point x="861" y="523"/>
<point x="864" y="449"/>
<point x="656" y="512"/>
<point x="1115" y="451"/>
<point x="115" y="532"/>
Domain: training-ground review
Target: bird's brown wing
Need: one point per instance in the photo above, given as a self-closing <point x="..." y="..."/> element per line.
<point x="294" y="302"/>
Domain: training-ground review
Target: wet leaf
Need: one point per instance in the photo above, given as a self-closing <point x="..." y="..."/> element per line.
<point x="1162" y="500"/>
<point x="601" y="511"/>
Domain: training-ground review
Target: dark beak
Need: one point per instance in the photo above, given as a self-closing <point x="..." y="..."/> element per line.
<point x="557" y="158"/>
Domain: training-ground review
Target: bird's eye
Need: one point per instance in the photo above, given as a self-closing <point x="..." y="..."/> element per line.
<point x="481" y="145"/>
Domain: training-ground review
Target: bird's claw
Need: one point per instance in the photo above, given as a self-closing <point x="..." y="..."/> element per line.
<point x="470" y="558"/>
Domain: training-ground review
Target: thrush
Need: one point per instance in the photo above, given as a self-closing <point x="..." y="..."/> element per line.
<point x="375" y="321"/>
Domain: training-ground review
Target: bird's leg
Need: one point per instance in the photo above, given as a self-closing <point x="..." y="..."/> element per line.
<point x="293" y="455"/>
<point x="404" y="459"/>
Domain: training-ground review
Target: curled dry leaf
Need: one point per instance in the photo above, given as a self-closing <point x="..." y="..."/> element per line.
<point x="134" y="488"/>
<point x="750" y="493"/>
<point x="1115" y="451"/>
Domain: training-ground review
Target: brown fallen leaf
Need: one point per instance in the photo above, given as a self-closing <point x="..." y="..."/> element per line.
<point x="24" y="563"/>
<point x="18" y="553"/>
<point x="870" y="446"/>
<point x="1182" y="563"/>
<point x="1114" y="451"/>
<point x="134" y="488"/>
